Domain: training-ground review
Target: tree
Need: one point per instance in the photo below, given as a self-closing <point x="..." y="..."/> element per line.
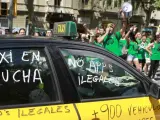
<point x="30" y="7"/>
<point x="148" y="7"/>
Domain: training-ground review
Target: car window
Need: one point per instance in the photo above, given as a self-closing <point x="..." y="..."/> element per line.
<point x="25" y="77"/>
<point x="97" y="76"/>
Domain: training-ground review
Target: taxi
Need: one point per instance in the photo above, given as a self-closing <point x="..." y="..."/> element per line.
<point x="57" y="79"/>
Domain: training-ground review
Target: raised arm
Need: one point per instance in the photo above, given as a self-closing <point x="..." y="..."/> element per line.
<point x="127" y="35"/>
<point x="124" y="22"/>
<point x="101" y="38"/>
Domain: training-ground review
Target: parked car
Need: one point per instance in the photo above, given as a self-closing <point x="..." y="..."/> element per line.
<point x="42" y="78"/>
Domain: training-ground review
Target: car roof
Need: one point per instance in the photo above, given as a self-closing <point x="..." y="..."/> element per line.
<point x="11" y="39"/>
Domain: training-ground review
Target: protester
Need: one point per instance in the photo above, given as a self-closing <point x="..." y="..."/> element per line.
<point x="111" y="40"/>
<point x="36" y="34"/>
<point x="49" y="33"/>
<point x="141" y="52"/>
<point x="123" y="45"/>
<point x="132" y="46"/>
<point x="98" y="33"/>
<point x="154" y="51"/>
<point x="22" y="31"/>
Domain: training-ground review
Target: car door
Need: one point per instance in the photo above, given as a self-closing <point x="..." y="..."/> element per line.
<point x="109" y="88"/>
<point x="29" y="88"/>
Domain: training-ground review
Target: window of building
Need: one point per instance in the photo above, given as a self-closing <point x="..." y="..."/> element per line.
<point x="57" y="2"/>
<point x="85" y="2"/>
<point x="4" y="9"/>
<point x="119" y="3"/>
<point x="25" y="77"/>
<point x="97" y="76"/>
<point x="115" y="3"/>
<point x="109" y="2"/>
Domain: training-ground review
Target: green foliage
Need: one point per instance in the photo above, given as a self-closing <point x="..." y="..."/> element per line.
<point x="157" y="4"/>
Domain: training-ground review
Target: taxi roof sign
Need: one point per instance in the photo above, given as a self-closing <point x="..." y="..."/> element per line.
<point x="66" y="28"/>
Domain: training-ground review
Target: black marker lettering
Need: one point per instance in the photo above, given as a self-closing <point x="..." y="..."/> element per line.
<point x="47" y="110"/>
<point x="139" y="109"/>
<point x="67" y="109"/>
<point x="134" y="110"/>
<point x="103" y="108"/>
<point x="39" y="111"/>
<point x="151" y="118"/>
<point x="31" y="111"/>
<point x="7" y="112"/>
<point x="112" y="111"/>
<point x="52" y="110"/>
<point x="59" y="108"/>
<point x="129" y="110"/>
<point x="19" y="113"/>
<point x="118" y="111"/>
<point x="1" y="113"/>
<point x="23" y="114"/>
<point x="95" y="115"/>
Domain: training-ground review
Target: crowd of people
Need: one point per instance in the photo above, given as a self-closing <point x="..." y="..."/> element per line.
<point x="48" y="33"/>
<point x="139" y="49"/>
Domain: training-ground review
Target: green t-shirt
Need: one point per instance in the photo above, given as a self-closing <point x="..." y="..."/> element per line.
<point x="111" y="43"/>
<point x="133" y="48"/>
<point x="148" y="40"/>
<point x="98" y="44"/>
<point x="155" y="51"/>
<point x="138" y="41"/>
<point x="122" y="44"/>
<point x="142" y="51"/>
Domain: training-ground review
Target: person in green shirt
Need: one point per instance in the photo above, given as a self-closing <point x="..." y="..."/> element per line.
<point x="148" y="39"/>
<point x="138" y="37"/>
<point x="123" y="44"/>
<point x="123" y="47"/>
<point x="132" y="46"/>
<point x="99" y="34"/>
<point x="141" y="52"/>
<point x="154" y="51"/>
<point x="111" y="40"/>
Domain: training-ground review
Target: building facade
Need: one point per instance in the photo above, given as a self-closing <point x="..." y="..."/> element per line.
<point x="90" y="12"/>
<point x="94" y="12"/>
<point x="45" y="12"/>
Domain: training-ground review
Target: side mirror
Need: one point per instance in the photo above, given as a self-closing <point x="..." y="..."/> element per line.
<point x="154" y="91"/>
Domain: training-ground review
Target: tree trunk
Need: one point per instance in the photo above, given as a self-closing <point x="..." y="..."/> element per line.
<point x="148" y="17"/>
<point x="30" y="7"/>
